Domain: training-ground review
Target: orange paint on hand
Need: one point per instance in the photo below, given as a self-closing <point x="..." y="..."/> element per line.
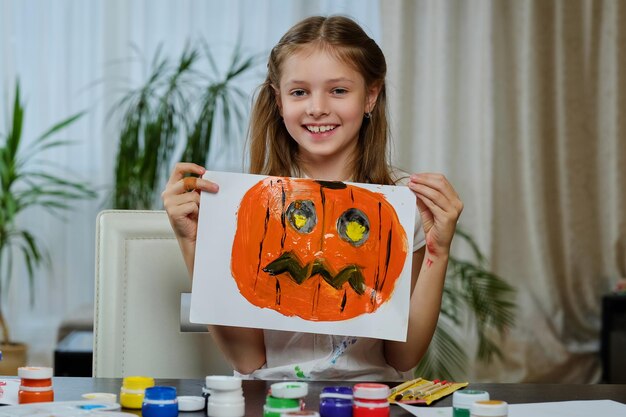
<point x="322" y="251"/>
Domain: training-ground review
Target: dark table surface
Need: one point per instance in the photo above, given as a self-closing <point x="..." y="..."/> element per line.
<point x="71" y="389"/>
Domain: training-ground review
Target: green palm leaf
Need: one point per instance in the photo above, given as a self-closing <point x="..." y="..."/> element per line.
<point x="444" y="357"/>
<point x="219" y="94"/>
<point x="473" y="293"/>
<point x="22" y="187"/>
<point x="152" y="118"/>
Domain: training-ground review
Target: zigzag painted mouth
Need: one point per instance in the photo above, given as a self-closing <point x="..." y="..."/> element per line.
<point x="289" y="263"/>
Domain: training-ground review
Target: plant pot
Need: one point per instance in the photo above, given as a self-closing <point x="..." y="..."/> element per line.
<point x="13" y="357"/>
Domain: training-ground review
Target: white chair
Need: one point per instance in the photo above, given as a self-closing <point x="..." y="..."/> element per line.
<point x="140" y="276"/>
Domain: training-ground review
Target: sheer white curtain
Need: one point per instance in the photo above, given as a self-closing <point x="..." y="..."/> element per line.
<point x="521" y="104"/>
<point x="76" y="55"/>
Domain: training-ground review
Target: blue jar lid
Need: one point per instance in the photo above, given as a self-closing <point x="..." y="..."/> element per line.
<point x="160" y="393"/>
<point x="337" y="392"/>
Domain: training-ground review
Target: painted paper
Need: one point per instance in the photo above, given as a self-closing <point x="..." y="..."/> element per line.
<point x="304" y="255"/>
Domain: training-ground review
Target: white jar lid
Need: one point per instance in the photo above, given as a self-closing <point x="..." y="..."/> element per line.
<point x="489" y="408"/>
<point x="190" y="403"/>
<point x="370" y="391"/>
<point x="34" y="372"/>
<point x="289" y="389"/>
<point x="467" y="397"/>
<point x="105" y="397"/>
<point x="226" y="396"/>
<point x="222" y="382"/>
<point x="235" y="409"/>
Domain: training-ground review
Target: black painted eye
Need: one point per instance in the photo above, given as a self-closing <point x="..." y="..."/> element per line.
<point x="301" y="215"/>
<point x="353" y="227"/>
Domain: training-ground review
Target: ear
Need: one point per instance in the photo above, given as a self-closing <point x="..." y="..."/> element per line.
<point x="279" y="102"/>
<point x="371" y="97"/>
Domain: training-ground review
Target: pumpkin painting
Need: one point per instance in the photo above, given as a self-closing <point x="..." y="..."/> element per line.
<point x="319" y="250"/>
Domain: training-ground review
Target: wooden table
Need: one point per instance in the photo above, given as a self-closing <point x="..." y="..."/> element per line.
<point x="71" y="388"/>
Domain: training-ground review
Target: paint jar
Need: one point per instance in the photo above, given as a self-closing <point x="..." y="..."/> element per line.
<point x="133" y="389"/>
<point x="463" y="400"/>
<point x="301" y="413"/>
<point x="35" y="385"/>
<point x="285" y="397"/>
<point x="276" y="407"/>
<point x="489" y="408"/>
<point x="159" y="401"/>
<point x="336" y="402"/>
<point x="225" y="396"/>
<point x="370" y="400"/>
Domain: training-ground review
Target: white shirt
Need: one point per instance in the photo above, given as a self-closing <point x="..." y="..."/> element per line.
<point x="295" y="355"/>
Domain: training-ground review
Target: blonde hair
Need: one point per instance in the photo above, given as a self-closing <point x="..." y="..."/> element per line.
<point x="272" y="150"/>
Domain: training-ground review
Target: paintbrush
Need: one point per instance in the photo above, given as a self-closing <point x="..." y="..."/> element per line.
<point x="403" y="386"/>
<point x="412" y="392"/>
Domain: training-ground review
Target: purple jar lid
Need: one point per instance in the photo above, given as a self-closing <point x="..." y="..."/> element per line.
<point x="337" y="392"/>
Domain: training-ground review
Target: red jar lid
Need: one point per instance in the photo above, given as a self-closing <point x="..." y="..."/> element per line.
<point x="371" y="391"/>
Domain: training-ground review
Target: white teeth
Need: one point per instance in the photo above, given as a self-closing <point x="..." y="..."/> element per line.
<point x="318" y="129"/>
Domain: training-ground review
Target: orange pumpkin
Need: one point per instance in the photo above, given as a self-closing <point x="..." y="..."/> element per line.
<point x="323" y="251"/>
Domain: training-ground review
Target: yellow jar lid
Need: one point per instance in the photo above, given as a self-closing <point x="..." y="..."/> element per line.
<point x="489" y="408"/>
<point x="138" y="382"/>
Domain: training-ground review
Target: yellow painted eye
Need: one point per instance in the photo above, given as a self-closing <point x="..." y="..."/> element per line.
<point x="301" y="215"/>
<point x="355" y="231"/>
<point x="299" y="221"/>
<point x="353" y="227"/>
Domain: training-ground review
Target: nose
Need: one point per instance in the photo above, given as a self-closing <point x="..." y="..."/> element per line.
<point x="317" y="106"/>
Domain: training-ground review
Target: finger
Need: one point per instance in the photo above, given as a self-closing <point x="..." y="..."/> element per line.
<point x="189" y="183"/>
<point x="429" y="205"/>
<point x="185" y="210"/>
<point x="206" y="185"/>
<point x="172" y="200"/>
<point x="422" y="208"/>
<point x="436" y="181"/>
<point x="434" y="217"/>
<point x="446" y="218"/>
<point x="178" y="187"/>
<point x="196" y="184"/>
<point x="434" y="195"/>
<point x="425" y="214"/>
<point x="183" y="168"/>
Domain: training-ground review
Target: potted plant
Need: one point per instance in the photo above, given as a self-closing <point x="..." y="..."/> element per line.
<point x="175" y="101"/>
<point x="24" y="183"/>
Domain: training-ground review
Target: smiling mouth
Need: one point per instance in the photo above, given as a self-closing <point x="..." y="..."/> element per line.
<point x="289" y="264"/>
<point x="320" y="129"/>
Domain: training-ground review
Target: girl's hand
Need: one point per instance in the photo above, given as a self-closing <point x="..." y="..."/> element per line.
<point x="181" y="199"/>
<point x="440" y="207"/>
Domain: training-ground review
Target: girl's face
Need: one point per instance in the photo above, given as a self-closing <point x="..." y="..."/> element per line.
<point x="323" y="101"/>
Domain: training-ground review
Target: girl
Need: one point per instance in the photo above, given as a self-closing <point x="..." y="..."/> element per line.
<point x="321" y="113"/>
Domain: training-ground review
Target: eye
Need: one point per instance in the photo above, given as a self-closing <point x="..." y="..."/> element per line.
<point x="353" y="227"/>
<point x="340" y="91"/>
<point x="298" y="93"/>
<point x="301" y="215"/>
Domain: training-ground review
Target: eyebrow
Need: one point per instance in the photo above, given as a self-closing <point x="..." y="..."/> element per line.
<point x="331" y="81"/>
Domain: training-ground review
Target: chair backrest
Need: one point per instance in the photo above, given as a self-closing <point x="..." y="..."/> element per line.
<point x="140" y="275"/>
